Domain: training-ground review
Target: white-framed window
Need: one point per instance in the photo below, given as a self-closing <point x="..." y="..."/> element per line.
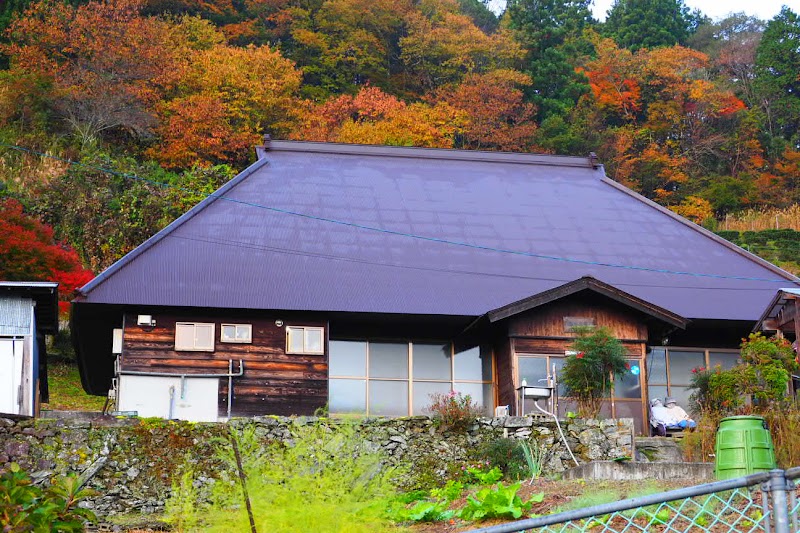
<point x="305" y="340"/>
<point x="194" y="337"/>
<point x="241" y="333"/>
<point x="398" y="378"/>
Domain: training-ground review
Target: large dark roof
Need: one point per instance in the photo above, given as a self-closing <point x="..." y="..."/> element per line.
<point x="239" y="254"/>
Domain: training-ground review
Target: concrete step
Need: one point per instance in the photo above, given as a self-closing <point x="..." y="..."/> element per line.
<point x="629" y="470"/>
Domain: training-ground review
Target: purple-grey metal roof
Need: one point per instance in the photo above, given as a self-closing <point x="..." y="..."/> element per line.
<point x="292" y="234"/>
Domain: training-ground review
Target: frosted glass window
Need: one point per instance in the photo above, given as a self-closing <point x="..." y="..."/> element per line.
<point x="196" y="337"/>
<point x="347" y="358"/>
<point x="348" y="396"/>
<point x="474" y="364"/>
<point x="682" y="395"/>
<point x="532" y="369"/>
<point x="726" y="360"/>
<point x="629" y="385"/>
<point x="480" y="393"/>
<point x="388" y="398"/>
<point x="237" y="333"/>
<point x="657" y="366"/>
<point x="431" y="361"/>
<point x="681" y="364"/>
<point x="422" y="394"/>
<point x="657" y="391"/>
<point x="305" y="340"/>
<point x="295" y="343"/>
<point x="388" y="360"/>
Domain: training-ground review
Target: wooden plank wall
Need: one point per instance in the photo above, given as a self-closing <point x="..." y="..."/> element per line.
<point x="542" y="331"/>
<point x="274" y="382"/>
<point x="548" y="321"/>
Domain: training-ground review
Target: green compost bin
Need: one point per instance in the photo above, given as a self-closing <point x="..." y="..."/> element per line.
<point x="744" y="446"/>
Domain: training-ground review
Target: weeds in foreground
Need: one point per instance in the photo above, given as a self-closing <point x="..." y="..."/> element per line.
<point x="323" y="481"/>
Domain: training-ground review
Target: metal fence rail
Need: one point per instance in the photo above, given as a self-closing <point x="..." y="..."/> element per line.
<point x="764" y="502"/>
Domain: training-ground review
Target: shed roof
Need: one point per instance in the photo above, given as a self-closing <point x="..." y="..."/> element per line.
<point x="44" y="293"/>
<point x="327" y="227"/>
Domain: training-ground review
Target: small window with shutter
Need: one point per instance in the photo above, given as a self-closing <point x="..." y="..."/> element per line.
<point x="305" y="340"/>
<point x="194" y="337"/>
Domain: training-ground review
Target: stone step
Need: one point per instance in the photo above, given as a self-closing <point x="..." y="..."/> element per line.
<point x="658" y="450"/>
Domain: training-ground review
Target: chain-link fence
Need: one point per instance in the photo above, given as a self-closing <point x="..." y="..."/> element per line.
<point x="764" y="502"/>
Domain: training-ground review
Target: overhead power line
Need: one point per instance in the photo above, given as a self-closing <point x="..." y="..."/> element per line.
<point x="365" y="227"/>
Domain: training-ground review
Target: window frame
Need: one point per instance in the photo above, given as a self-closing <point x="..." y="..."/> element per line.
<point x="194" y="347"/>
<point x="236" y="340"/>
<point x="668" y="370"/>
<point x="452" y="382"/>
<point x="305" y="350"/>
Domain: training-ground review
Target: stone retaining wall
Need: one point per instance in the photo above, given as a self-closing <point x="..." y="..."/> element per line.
<point x="131" y="462"/>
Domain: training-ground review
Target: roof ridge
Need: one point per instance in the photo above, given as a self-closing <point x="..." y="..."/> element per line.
<point x="450" y="154"/>
<point x="172" y="226"/>
<point x="703" y="231"/>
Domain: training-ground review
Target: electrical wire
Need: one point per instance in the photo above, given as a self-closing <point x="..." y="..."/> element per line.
<point x="425" y="238"/>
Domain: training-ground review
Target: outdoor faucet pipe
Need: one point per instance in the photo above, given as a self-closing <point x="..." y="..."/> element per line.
<point x="560" y="431"/>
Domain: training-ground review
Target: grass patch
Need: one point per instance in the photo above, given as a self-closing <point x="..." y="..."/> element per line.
<point x="66" y="393"/>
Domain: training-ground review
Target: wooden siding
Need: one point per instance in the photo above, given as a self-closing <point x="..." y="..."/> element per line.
<point x="274" y="382"/>
<point x="548" y="321"/>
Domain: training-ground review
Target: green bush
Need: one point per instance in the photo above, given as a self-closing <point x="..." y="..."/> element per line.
<point x="27" y="507"/>
<point x="586" y="376"/>
<point x="505" y="454"/>
<point x="326" y="480"/>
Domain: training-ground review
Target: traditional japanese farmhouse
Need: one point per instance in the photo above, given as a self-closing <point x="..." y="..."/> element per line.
<point x="365" y="278"/>
<point x="28" y="311"/>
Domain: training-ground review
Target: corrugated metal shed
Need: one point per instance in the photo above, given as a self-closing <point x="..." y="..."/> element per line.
<point x="274" y="244"/>
<point x="45" y="296"/>
<point x="15" y="315"/>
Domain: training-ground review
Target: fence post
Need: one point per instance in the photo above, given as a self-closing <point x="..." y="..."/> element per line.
<point x="778" y="487"/>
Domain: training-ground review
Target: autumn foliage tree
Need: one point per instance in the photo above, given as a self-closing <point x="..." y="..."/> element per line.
<point x="102" y="66"/>
<point x="28" y="252"/>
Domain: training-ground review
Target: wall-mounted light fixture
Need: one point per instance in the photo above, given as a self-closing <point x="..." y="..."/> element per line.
<point x="279" y="323"/>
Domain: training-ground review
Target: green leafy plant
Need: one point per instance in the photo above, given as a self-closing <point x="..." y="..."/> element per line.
<point x="27" y="507"/>
<point x="486" y="477"/>
<point x="497" y="502"/>
<point x="451" y="491"/>
<point x="454" y="411"/>
<point x="588" y="374"/>
<point x="423" y="511"/>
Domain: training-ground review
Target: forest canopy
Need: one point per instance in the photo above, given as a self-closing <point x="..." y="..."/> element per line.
<point x="701" y="116"/>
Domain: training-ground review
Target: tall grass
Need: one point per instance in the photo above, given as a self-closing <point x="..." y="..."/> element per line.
<point x="324" y="481"/>
<point x="762" y="219"/>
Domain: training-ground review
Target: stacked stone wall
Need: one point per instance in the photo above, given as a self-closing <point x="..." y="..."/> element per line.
<point x="132" y="463"/>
